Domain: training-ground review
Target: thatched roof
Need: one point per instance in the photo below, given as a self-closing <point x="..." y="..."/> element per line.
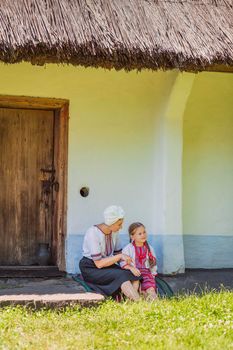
<point x="184" y="34"/>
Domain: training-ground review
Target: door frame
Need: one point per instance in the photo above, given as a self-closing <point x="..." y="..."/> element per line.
<point x="61" y="113"/>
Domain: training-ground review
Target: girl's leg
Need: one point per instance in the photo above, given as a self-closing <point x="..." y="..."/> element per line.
<point x="151" y="294"/>
<point x="129" y="291"/>
<point x="143" y="294"/>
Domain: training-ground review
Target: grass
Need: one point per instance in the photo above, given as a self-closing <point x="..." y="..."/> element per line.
<point x="191" y="322"/>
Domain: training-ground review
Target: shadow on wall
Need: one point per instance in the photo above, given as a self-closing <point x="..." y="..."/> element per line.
<point x="201" y="251"/>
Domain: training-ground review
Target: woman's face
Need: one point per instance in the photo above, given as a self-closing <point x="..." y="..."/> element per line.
<point x="139" y="235"/>
<point x="117" y="226"/>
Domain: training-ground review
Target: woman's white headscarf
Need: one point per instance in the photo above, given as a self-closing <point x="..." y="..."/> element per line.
<point x="112" y="214"/>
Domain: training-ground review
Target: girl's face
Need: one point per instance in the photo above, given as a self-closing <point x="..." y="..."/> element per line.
<point x="139" y="235"/>
<point x="117" y="226"/>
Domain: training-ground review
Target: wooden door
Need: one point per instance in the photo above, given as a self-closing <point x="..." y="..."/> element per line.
<point x="26" y="163"/>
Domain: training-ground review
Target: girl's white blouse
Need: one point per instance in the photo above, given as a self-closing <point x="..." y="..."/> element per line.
<point x="94" y="245"/>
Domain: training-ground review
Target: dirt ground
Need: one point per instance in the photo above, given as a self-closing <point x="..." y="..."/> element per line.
<point x="201" y="280"/>
<point x="59" y="292"/>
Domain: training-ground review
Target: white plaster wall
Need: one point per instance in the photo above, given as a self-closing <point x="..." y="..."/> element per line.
<point x="111" y="146"/>
<point x="208" y="172"/>
<point x="113" y="121"/>
<point x="168" y="177"/>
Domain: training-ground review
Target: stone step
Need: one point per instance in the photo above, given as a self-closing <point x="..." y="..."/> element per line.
<point x="30" y="271"/>
<point x="59" y="300"/>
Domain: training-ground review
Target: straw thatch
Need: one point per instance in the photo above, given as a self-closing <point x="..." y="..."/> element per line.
<point x="184" y="34"/>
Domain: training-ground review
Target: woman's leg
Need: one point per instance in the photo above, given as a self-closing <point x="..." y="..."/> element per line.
<point x="136" y="285"/>
<point x="151" y="294"/>
<point x="129" y="291"/>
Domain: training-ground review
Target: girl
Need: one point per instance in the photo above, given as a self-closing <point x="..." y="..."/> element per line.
<point x="143" y="259"/>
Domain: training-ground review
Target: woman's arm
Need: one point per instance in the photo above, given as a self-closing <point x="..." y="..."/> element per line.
<point x="117" y="247"/>
<point x="112" y="260"/>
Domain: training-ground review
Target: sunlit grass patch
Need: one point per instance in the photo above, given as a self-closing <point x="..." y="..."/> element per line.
<point x="193" y="322"/>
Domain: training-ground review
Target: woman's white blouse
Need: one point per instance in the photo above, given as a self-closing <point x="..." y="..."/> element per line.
<point x="97" y="245"/>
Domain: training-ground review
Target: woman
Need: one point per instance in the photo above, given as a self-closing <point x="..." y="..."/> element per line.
<point x="102" y="252"/>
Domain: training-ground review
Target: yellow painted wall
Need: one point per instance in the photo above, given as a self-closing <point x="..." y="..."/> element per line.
<point x="208" y="156"/>
<point x="111" y="137"/>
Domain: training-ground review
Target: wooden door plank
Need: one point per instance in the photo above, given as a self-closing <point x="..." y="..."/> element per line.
<point x="26" y="144"/>
<point x="9" y="180"/>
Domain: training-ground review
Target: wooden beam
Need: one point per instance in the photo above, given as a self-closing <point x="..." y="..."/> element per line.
<point x="27" y="102"/>
<point x="216" y="69"/>
<point x="61" y="151"/>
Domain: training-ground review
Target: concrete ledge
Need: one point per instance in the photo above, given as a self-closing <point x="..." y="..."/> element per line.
<point x="51" y="300"/>
<point x="45" y="292"/>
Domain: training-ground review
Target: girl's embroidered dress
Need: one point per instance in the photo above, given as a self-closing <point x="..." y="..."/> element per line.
<point x="141" y="256"/>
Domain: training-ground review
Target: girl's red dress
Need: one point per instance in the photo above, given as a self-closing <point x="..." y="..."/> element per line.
<point x="141" y="255"/>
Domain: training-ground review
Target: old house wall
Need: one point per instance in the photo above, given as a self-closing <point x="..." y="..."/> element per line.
<point x="129" y="134"/>
<point x="208" y="172"/>
<point x="114" y="120"/>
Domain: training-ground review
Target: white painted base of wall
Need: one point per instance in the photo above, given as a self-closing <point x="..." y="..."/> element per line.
<point x="208" y="251"/>
<point x="173" y="244"/>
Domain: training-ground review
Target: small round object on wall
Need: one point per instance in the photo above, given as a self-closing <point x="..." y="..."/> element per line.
<point x="84" y="191"/>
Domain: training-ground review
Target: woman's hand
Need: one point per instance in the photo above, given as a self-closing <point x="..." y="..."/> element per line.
<point x="135" y="271"/>
<point x="126" y="258"/>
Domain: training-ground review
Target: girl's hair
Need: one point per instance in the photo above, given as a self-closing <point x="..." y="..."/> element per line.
<point x="131" y="230"/>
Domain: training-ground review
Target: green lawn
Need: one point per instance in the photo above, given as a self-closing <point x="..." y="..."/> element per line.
<point x="204" y="322"/>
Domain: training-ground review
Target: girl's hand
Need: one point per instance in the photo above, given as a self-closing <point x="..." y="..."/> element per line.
<point x="126" y="258"/>
<point x="135" y="271"/>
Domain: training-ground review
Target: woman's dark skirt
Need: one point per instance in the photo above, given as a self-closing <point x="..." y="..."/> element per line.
<point x="106" y="280"/>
